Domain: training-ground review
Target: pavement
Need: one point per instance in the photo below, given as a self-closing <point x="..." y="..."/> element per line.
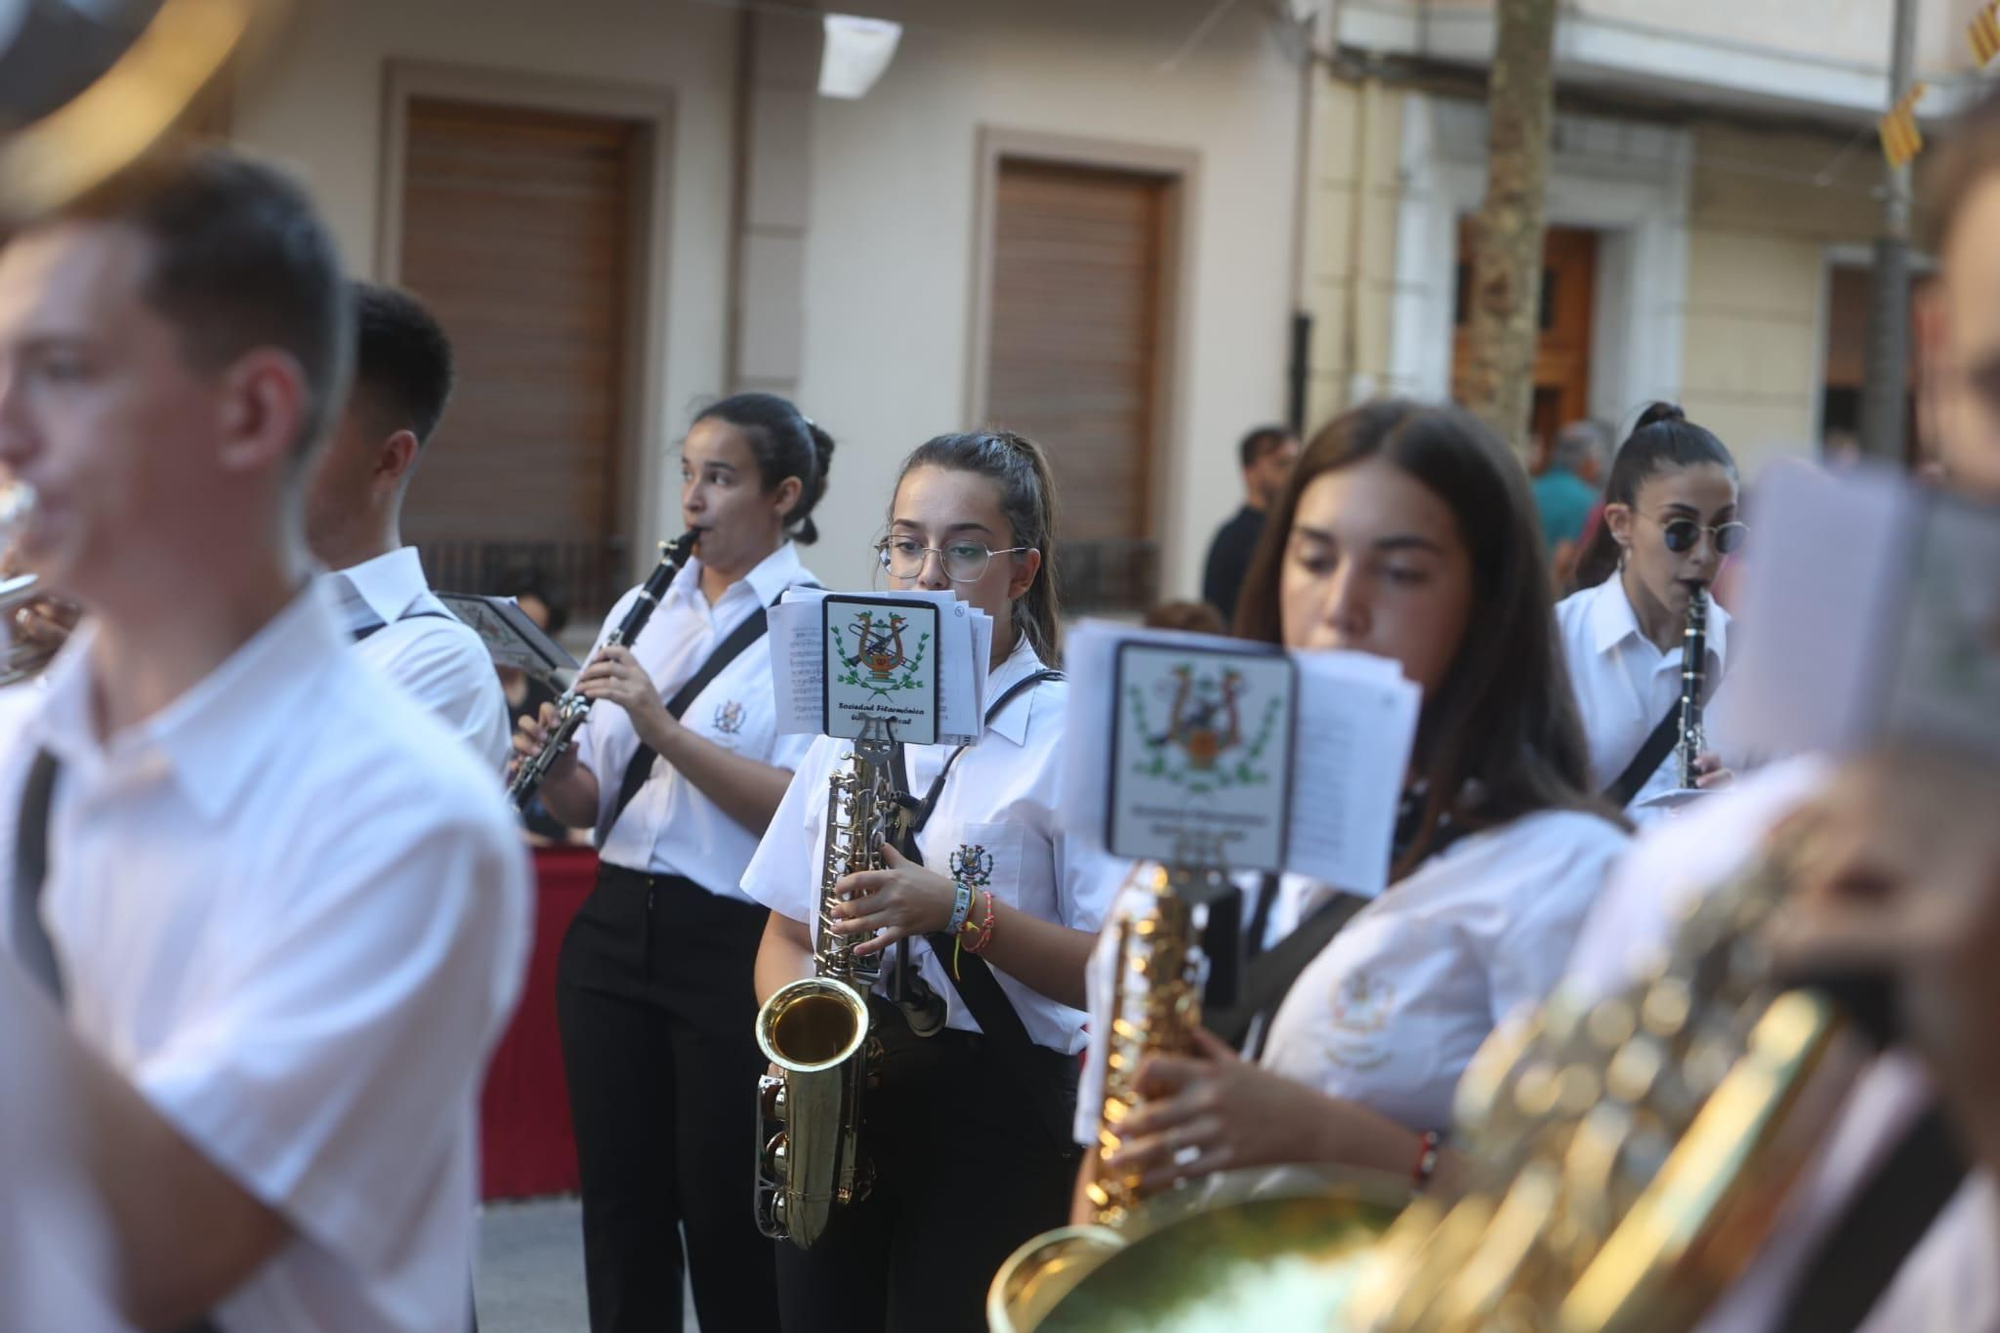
<point x="531" y="1269"/>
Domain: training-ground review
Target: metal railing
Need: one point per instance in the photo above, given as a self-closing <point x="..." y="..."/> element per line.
<point x="1109" y="574"/>
<point x="591" y="573"/>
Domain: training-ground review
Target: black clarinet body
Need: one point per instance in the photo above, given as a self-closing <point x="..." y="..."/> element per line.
<point x="1694" y="669"/>
<point x="573" y="708"/>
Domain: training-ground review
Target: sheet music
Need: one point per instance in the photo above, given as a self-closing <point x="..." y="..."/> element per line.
<point x="1357" y="721"/>
<point x="798" y="663"/>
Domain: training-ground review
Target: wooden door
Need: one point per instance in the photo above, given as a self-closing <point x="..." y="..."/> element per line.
<point x="1073" y="359"/>
<point x="517" y="232"/>
<point x="1562" y="339"/>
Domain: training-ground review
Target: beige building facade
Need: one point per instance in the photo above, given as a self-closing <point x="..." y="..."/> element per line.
<point x="1099" y="223"/>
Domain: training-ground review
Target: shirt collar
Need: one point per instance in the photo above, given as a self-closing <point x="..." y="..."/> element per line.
<point x="1020" y="664"/>
<point x="214" y="739"/>
<point x="771" y="576"/>
<point x="1612" y="620"/>
<point x="390" y="584"/>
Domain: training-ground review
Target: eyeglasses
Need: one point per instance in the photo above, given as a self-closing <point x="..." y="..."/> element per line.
<point x="1681" y="534"/>
<point x="964" y="562"/>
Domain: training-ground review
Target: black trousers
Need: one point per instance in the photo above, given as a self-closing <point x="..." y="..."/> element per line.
<point x="657" y="1008"/>
<point x="968" y="1164"/>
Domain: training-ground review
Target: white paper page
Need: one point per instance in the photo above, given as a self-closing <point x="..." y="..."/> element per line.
<point x="1357" y="720"/>
<point x="1823" y="584"/>
<point x="798" y="662"/>
<point x="1356" y="726"/>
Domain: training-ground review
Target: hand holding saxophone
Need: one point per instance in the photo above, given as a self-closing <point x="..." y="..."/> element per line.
<point x="1212" y="1110"/>
<point x="903" y="899"/>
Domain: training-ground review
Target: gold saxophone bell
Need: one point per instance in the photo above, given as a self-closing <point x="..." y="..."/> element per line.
<point x="1256" y="1250"/>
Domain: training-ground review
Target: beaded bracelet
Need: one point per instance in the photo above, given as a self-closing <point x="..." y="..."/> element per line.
<point x="1428" y="1145"/>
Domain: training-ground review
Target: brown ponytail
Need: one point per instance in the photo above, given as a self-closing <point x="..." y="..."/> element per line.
<point x="1020" y="469"/>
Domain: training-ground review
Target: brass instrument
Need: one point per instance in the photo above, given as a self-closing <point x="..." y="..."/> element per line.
<point x="1628" y="1159"/>
<point x="573" y="709"/>
<point x="24" y="657"/>
<point x="1634" y="1152"/>
<point x="87" y="89"/>
<point x="1694" y="669"/>
<point x="1158" y="971"/>
<point x="815" y="1030"/>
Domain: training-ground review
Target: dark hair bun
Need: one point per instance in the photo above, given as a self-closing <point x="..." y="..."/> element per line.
<point x="1655" y="413"/>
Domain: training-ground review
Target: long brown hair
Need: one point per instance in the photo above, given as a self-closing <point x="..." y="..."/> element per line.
<point x="1500" y="737"/>
<point x="1019" y="468"/>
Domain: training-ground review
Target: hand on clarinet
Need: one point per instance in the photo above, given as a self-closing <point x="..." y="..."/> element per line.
<point x="530" y="735"/>
<point x="1709" y="772"/>
<point x="614" y="676"/>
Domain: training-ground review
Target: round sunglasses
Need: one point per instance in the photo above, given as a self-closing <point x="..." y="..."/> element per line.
<point x="1681" y="534"/>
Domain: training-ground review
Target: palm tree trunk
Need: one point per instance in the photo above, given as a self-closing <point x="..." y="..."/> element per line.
<point x="1507" y="234"/>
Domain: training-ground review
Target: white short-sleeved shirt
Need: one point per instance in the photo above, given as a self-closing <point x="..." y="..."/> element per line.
<point x="55" y="1243"/>
<point x="1390" y="1012"/>
<point x="434" y="657"/>
<point x="994" y="823"/>
<point x="1951" y="1281"/>
<point x="671" y="828"/>
<point x="292" y="909"/>
<point x="1624" y="685"/>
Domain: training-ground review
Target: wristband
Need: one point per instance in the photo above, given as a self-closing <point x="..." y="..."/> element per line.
<point x="960" y="907"/>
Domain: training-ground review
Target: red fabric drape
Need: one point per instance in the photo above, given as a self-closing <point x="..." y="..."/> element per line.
<point x="526" y="1144"/>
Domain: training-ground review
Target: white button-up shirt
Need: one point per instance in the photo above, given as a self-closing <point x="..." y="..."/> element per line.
<point x="293" y="911"/>
<point x="671" y="828"/>
<point x="1390" y="1012"/>
<point x="1624" y="685"/>
<point x="994" y="826"/>
<point x="1951" y="1281"/>
<point x="440" y="663"/>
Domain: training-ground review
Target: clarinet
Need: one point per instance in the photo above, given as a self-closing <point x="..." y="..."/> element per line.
<point x="573" y="708"/>
<point x="1694" y="666"/>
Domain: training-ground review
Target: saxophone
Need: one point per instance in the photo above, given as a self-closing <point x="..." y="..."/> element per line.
<point x="1628" y="1158"/>
<point x="1694" y="667"/>
<point x="815" y="1030"/>
<point x="1636" y="1151"/>
<point x="1158" y="972"/>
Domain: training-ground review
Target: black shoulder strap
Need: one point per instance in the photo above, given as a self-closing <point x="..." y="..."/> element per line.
<point x="1627" y="784"/>
<point x="373" y="630"/>
<point x="1272" y="973"/>
<point x="641" y="766"/>
<point x="975" y="982"/>
<point x="31" y="870"/>
<point x="1883" y="1223"/>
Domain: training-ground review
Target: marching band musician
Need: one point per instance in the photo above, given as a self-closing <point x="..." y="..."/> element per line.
<point x="354" y="506"/>
<point x="654" y="999"/>
<point x="967" y="1129"/>
<point x="1406" y="532"/>
<point x="276" y="1027"/>
<point x="1670" y="517"/>
<point x="1895" y="1222"/>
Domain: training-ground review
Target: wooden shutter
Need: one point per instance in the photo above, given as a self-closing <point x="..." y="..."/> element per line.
<point x="1076" y="320"/>
<point x="516" y="231"/>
